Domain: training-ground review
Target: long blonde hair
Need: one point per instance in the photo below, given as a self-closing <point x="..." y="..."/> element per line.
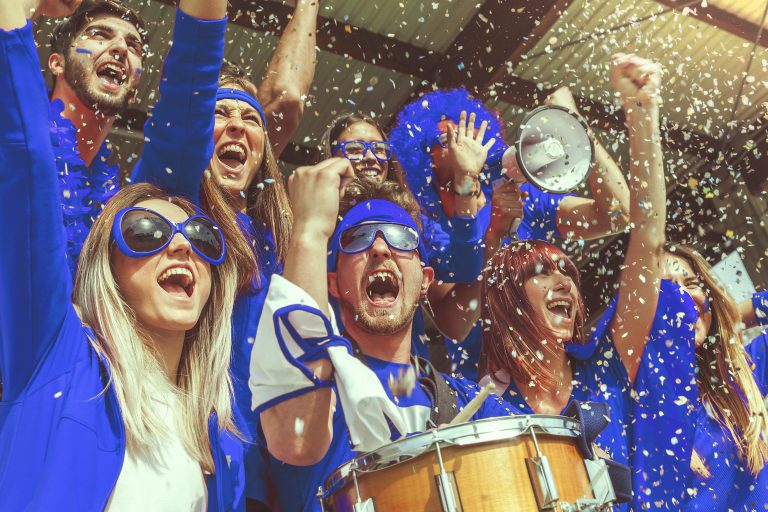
<point x="203" y="383"/>
<point x="724" y="374"/>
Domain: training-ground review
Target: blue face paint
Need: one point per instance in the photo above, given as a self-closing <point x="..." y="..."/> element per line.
<point x="84" y="51"/>
<point x="138" y="71"/>
<point x="705" y="305"/>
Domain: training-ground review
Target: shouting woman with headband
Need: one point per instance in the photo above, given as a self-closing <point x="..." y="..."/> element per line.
<point x="122" y="399"/>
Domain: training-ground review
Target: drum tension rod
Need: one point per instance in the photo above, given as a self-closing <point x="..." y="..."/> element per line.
<point x="542" y="478"/>
<point x="368" y="505"/>
<point x="444" y="485"/>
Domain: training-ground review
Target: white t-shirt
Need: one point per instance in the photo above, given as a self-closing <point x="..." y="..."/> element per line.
<point x="167" y="480"/>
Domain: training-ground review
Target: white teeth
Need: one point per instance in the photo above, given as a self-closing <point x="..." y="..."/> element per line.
<point x="117" y="71"/>
<point x="177" y="271"/>
<point x="379" y="275"/>
<point x="559" y="303"/>
<point x="231" y="147"/>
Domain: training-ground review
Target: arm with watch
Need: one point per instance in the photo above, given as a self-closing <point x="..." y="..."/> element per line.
<point x="455" y="306"/>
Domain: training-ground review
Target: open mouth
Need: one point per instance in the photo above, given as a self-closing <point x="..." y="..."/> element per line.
<point x="382" y="288"/>
<point x="561" y="308"/>
<point x="369" y="172"/>
<point x="232" y="156"/>
<point x="112" y="74"/>
<point x="177" y="281"/>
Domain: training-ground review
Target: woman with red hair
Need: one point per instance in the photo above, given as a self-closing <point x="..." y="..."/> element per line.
<point x="536" y="348"/>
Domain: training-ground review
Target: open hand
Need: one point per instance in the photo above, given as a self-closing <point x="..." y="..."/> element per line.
<point x="466" y="153"/>
<point x="638" y="80"/>
<point x="315" y="191"/>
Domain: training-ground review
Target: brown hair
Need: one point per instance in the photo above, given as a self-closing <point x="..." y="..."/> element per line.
<point x="342" y="122"/>
<point x="69" y="28"/>
<point x="514" y="339"/>
<point x="266" y="198"/>
<point x="724" y="373"/>
<point x="364" y="188"/>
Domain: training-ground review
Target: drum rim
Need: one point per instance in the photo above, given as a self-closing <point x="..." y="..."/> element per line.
<point x="551" y="424"/>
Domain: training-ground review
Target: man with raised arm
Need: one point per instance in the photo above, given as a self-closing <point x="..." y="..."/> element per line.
<point x="372" y="263"/>
<point x="96" y="62"/>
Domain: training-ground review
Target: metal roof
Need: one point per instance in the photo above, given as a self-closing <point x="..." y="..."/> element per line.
<point x="706" y="77"/>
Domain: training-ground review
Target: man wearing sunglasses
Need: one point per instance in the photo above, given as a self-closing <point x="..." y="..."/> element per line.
<point x="375" y="268"/>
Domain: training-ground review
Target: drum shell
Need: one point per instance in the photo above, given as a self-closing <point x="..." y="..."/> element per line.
<point x="487" y="476"/>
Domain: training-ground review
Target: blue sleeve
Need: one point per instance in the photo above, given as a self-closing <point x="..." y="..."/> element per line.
<point x="539" y="214"/>
<point x="757" y="350"/>
<point x="179" y="134"/>
<point x="35" y="283"/>
<point x="664" y="413"/>
<point x="760" y="303"/>
<point x="456" y="256"/>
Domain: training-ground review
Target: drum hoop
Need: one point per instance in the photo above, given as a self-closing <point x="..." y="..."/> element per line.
<point x="465" y="434"/>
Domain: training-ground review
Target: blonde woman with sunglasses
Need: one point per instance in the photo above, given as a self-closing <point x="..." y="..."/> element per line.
<point x="116" y="394"/>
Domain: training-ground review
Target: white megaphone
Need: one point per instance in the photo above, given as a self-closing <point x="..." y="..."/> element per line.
<point x="552" y="151"/>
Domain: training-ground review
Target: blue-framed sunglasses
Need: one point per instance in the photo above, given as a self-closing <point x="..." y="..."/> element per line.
<point x="356" y="149"/>
<point x="360" y="238"/>
<point x="140" y="232"/>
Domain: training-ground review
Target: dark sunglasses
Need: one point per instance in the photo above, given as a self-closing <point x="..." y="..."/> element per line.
<point x="356" y="149"/>
<point x="361" y="238"/>
<point x="140" y="232"/>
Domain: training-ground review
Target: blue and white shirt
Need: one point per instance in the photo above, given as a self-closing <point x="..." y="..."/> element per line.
<point x="296" y="486"/>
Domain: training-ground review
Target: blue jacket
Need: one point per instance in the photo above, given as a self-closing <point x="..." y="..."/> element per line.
<point x="62" y="437"/>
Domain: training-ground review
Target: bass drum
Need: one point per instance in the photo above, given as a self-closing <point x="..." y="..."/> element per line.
<point x="516" y="463"/>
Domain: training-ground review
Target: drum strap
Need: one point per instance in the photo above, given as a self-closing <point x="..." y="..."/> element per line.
<point x="593" y="418"/>
<point x="444" y="404"/>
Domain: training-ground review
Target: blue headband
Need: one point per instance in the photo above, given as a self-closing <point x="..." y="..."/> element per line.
<point x="373" y="210"/>
<point x="227" y="93"/>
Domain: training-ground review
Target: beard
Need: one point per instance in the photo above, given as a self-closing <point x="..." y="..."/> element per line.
<point x="383" y="320"/>
<point x="378" y="321"/>
<point x="76" y="75"/>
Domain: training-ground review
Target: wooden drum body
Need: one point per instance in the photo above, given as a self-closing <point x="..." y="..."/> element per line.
<point x="518" y="463"/>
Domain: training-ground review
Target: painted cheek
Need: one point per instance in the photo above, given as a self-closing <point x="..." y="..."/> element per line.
<point x="83" y="51"/>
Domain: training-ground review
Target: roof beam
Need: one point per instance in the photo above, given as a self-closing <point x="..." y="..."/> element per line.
<point x="508" y="42"/>
<point x="722" y="19"/>
<point x="336" y="37"/>
<point x="498" y="35"/>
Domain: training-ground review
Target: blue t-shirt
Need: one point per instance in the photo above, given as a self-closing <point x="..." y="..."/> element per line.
<point x="731" y="485"/>
<point x="539" y="222"/>
<point x="600" y="377"/>
<point x="296" y="486"/>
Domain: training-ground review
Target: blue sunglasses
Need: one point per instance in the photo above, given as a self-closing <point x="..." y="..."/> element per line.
<point x="360" y="238"/>
<point x="355" y="149"/>
<point x="140" y="232"/>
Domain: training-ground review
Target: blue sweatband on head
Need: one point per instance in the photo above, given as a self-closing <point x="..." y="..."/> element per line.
<point x="228" y="93"/>
<point x="373" y="210"/>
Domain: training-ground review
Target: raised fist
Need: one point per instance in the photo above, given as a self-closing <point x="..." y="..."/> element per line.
<point x="637" y="79"/>
<point x="314" y="193"/>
